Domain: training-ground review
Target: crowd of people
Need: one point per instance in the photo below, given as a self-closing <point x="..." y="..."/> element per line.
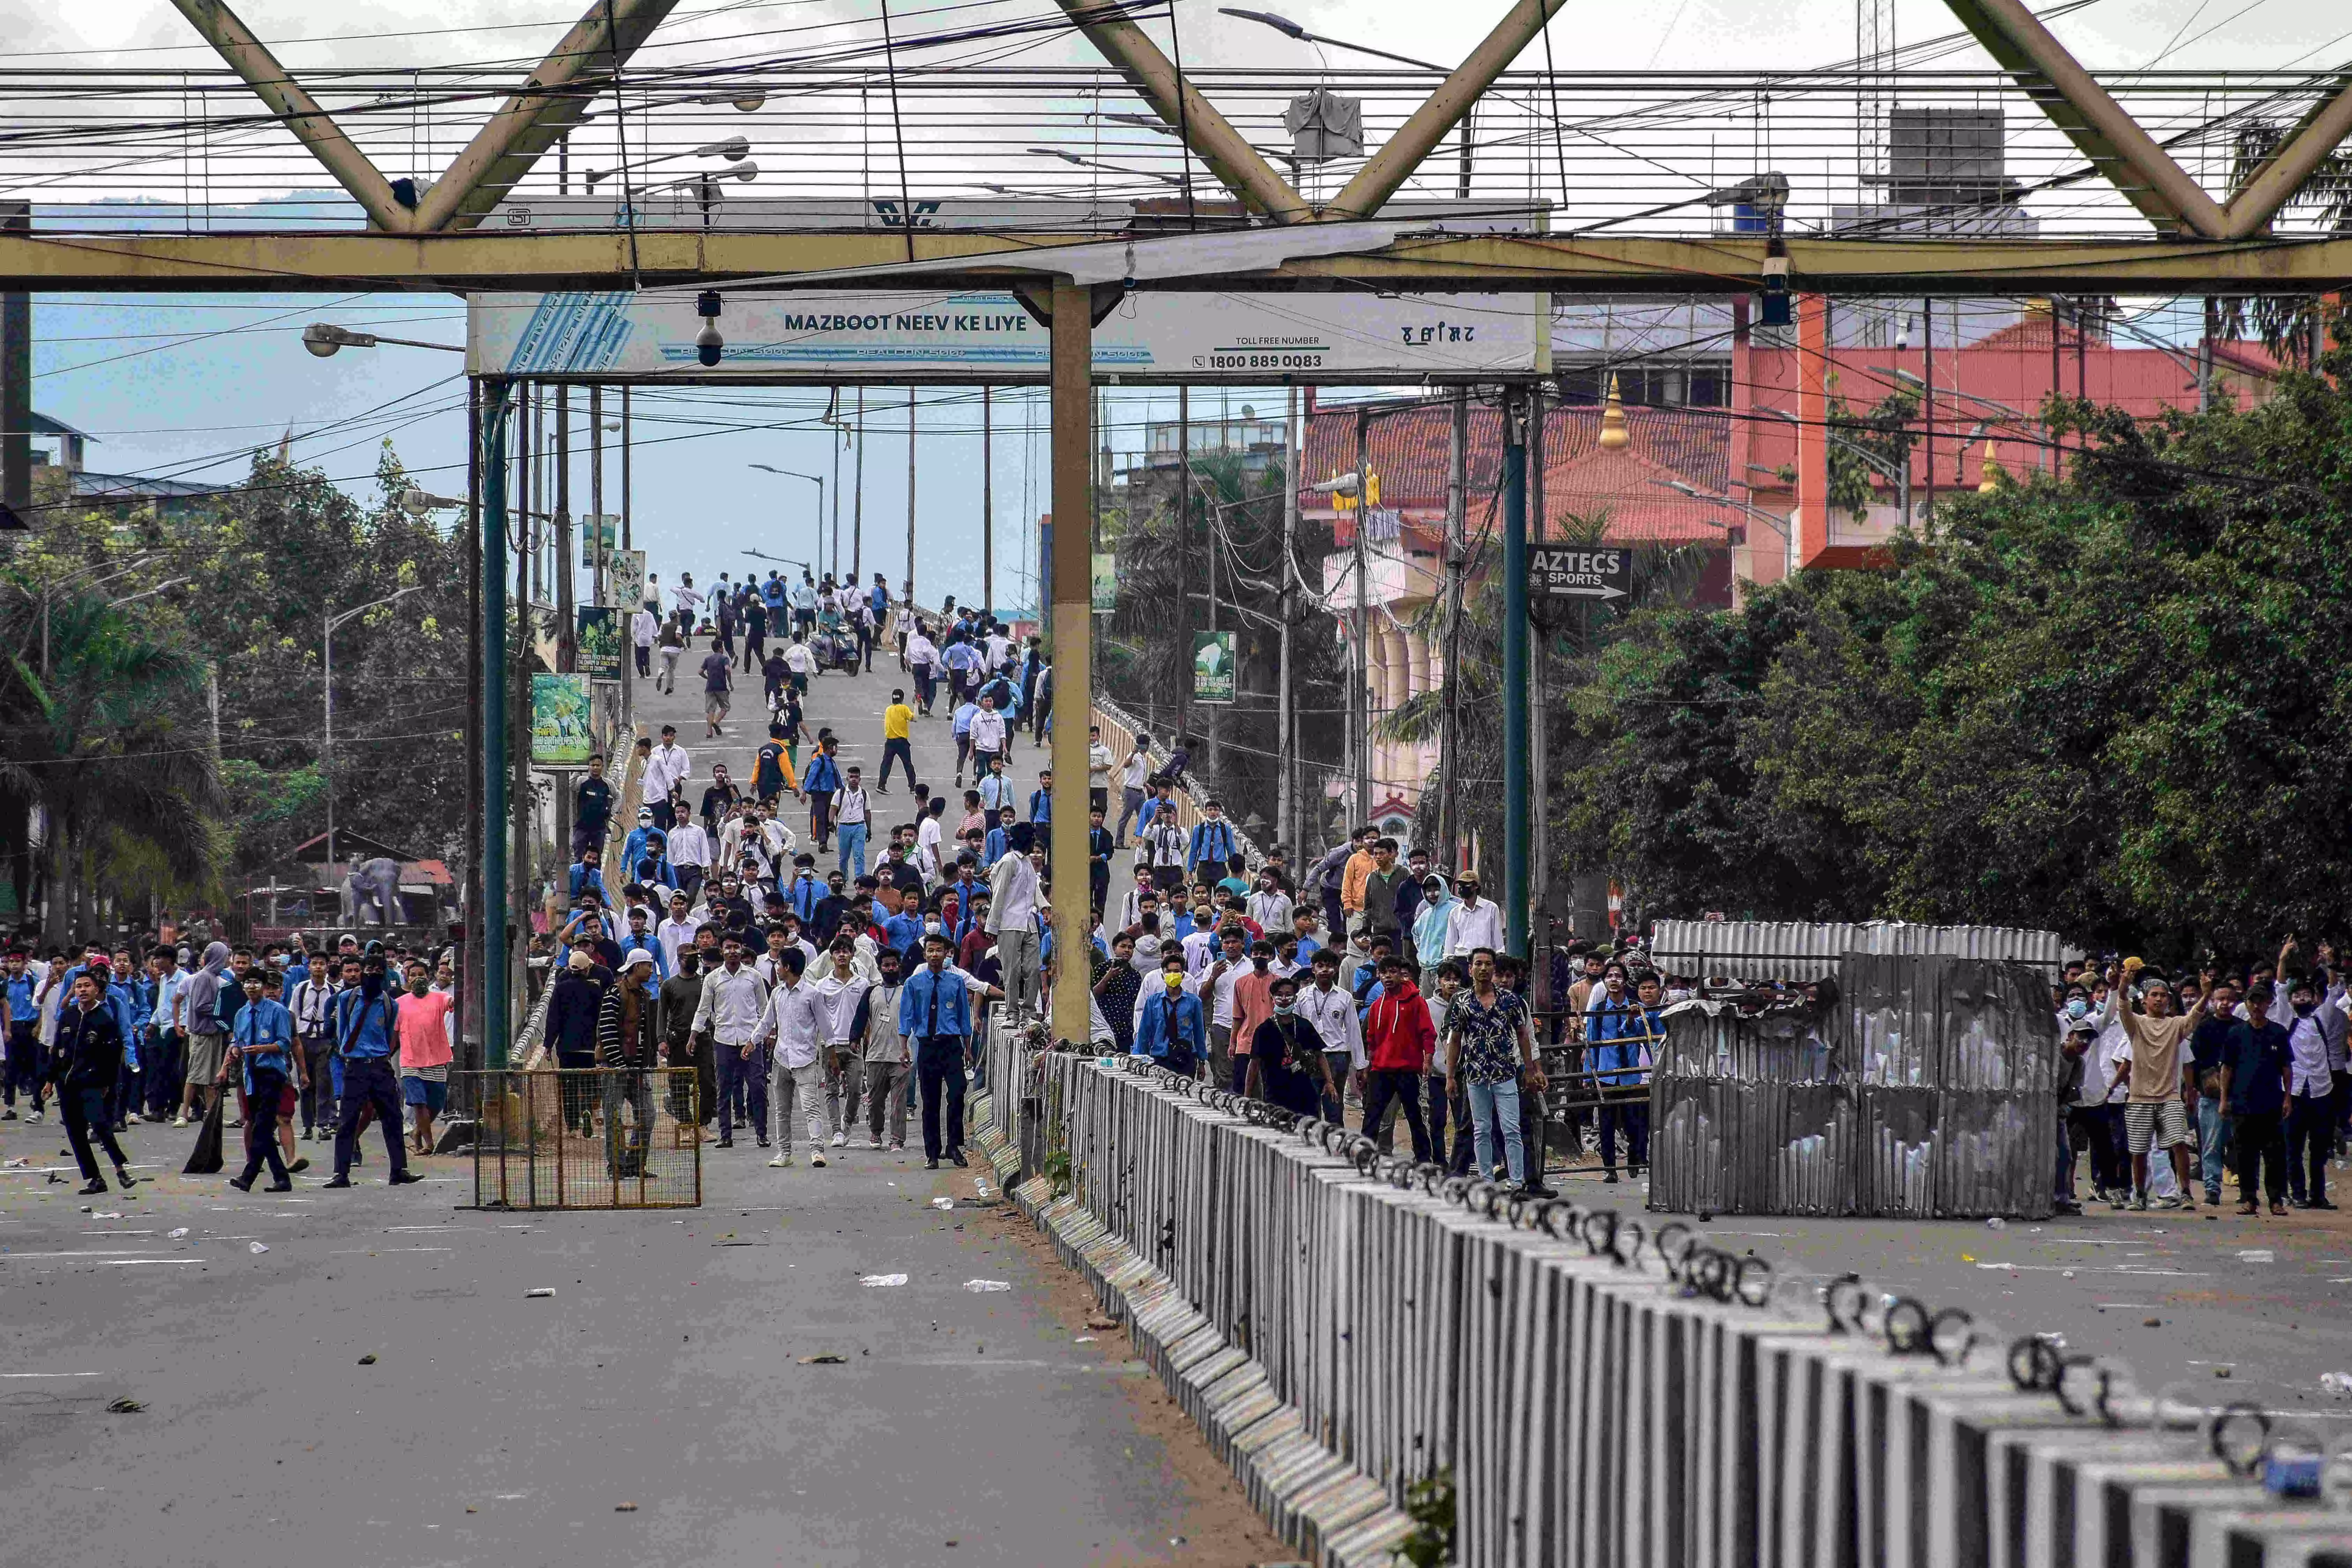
<point x="329" y="1040"/>
<point x="2172" y="1085"/>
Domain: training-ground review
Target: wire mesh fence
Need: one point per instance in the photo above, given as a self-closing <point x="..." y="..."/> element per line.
<point x="587" y="1138"/>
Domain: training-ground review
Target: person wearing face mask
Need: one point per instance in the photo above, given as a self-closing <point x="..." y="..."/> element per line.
<point x="1253" y="1005"/>
<point x="365" y="1033"/>
<point x="2257" y="1068"/>
<point x="423" y="1024"/>
<point x="1269" y="906"/>
<point x="1171" y="1028"/>
<point x="1285" y="1063"/>
<point x="2310" y="1099"/>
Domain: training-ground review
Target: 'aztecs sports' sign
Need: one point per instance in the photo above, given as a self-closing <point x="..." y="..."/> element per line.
<point x="1579" y="572"/>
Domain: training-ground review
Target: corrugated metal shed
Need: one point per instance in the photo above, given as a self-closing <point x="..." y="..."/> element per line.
<point x="1924" y="1088"/>
<point x="1810" y="949"/>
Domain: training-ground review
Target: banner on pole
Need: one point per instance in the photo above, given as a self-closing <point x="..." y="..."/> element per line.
<point x="594" y="526"/>
<point x="1106" y="582"/>
<point x="596" y="651"/>
<point x="562" y="733"/>
<point x="624" y="575"/>
<point x="986" y="336"/>
<point x="1214" y="673"/>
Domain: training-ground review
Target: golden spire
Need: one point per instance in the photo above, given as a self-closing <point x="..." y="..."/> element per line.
<point x="1614" y="436"/>
<point x="1991" y="471"/>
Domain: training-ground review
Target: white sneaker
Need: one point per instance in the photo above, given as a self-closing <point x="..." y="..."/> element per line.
<point x="841" y="1139"/>
<point x="34" y="1117"/>
<point x="780" y="1162"/>
<point x="875" y="1145"/>
<point x="179" y="1122"/>
<point x="898" y="1148"/>
<point x="817" y="1157"/>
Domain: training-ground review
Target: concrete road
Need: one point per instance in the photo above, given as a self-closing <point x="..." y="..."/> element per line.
<point x="961" y="1428"/>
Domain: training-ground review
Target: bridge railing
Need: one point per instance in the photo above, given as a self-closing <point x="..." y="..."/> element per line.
<point x="1597" y="1388"/>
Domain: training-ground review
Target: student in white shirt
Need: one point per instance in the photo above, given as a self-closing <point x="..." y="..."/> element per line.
<point x="677" y="932"/>
<point x="796" y="1022"/>
<point x="839" y="991"/>
<point x="1473" y="923"/>
<point x="1325" y="1004"/>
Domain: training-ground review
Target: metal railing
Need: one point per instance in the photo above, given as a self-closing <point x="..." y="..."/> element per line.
<point x="587" y="1138"/>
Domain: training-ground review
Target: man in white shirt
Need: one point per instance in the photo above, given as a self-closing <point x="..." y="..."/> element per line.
<point x="677" y="932"/>
<point x="1012" y="917"/>
<point x="796" y="1022"/>
<point x="645" y="630"/>
<point x="1131" y="774"/>
<point x="690" y="854"/>
<point x="1098" y="770"/>
<point x="1269" y="905"/>
<point x="733" y="1014"/>
<point x="987" y="735"/>
<point x="928" y="849"/>
<point x="1475" y="922"/>
<point x="668" y="767"/>
<point x="1325" y="1004"/>
<point x="838" y="992"/>
<point x="850" y="816"/>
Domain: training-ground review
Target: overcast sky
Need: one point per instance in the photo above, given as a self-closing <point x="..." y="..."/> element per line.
<point x="189" y="385"/>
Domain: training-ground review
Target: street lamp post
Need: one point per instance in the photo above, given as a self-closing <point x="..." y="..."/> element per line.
<point x="816" y="549"/>
<point x="326" y="659"/>
<point x="324" y="338"/>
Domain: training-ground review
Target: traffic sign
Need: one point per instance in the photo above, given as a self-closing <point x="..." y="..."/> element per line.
<point x="1581" y="573"/>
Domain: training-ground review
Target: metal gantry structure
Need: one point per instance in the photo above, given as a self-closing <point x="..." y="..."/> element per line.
<point x="1158" y="179"/>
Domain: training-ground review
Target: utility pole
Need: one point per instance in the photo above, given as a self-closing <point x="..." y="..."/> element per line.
<point x="1538" y="837"/>
<point x="857" y="508"/>
<point x="1185" y="557"/>
<point x="600" y="583"/>
<point x="469" y="968"/>
<point x="1286" y="745"/>
<point x="1449" y="732"/>
<point x="1515" y="787"/>
<point x="491" y="916"/>
<point x="1359" y="703"/>
<point x="910" y="493"/>
<point x="627" y="542"/>
<point x="833" y="423"/>
<point x="16" y="383"/>
<point x="567" y="633"/>
<point x="987" y="506"/>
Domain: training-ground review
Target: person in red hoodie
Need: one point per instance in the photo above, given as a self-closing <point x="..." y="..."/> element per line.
<point x="1399" y="1040"/>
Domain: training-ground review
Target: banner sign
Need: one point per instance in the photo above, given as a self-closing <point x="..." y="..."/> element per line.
<point x="625" y="579"/>
<point x="903" y="335"/>
<point x="595" y="526"/>
<point x="1214" y="670"/>
<point x="1579" y="572"/>
<point x="597" y="652"/>
<point x="560" y="734"/>
<point x="1106" y="582"/>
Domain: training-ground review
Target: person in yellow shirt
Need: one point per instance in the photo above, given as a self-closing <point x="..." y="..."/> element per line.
<point x="896" y="744"/>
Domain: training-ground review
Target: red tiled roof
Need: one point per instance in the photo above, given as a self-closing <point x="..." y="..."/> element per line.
<point x="2033" y="333"/>
<point x="1632" y="492"/>
<point x="1410" y="449"/>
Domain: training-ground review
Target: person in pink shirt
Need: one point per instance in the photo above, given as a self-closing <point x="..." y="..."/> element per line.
<point x="422" y="1025"/>
<point x="1253" y="1006"/>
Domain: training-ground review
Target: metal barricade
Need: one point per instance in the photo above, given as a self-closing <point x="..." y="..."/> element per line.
<point x="588" y="1138"/>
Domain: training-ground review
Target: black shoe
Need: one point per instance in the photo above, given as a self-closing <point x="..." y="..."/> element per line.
<point x="405" y="1179"/>
<point x="279" y="1187"/>
<point x="240" y="1184"/>
<point x="1610" y="1177"/>
<point x="124" y="1179"/>
<point x="336" y="1182"/>
<point x="957" y="1155"/>
<point x="930" y="1164"/>
<point x="2319" y="1204"/>
<point x="96" y="1185"/>
<point x="724" y="1143"/>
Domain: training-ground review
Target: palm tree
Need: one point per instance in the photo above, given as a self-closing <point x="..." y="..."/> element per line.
<point x="2284" y="323"/>
<point x="100" y="742"/>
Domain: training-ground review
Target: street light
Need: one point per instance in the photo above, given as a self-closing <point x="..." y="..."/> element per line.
<point x="1106" y="168"/>
<point x="735" y="149"/>
<point x="818" y="548"/>
<point x="1291" y="30"/>
<point x="326" y="659"/>
<point x="416" y="501"/>
<point x="323" y="338"/>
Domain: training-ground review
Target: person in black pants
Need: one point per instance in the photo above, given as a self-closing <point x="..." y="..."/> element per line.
<point x="87" y="1062"/>
<point x="262" y="1047"/>
<point x="938" y="1005"/>
<point x="365" y="1039"/>
<point x="755" y="634"/>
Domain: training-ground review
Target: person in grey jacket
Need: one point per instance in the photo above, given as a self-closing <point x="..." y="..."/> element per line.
<point x="207" y="1041"/>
